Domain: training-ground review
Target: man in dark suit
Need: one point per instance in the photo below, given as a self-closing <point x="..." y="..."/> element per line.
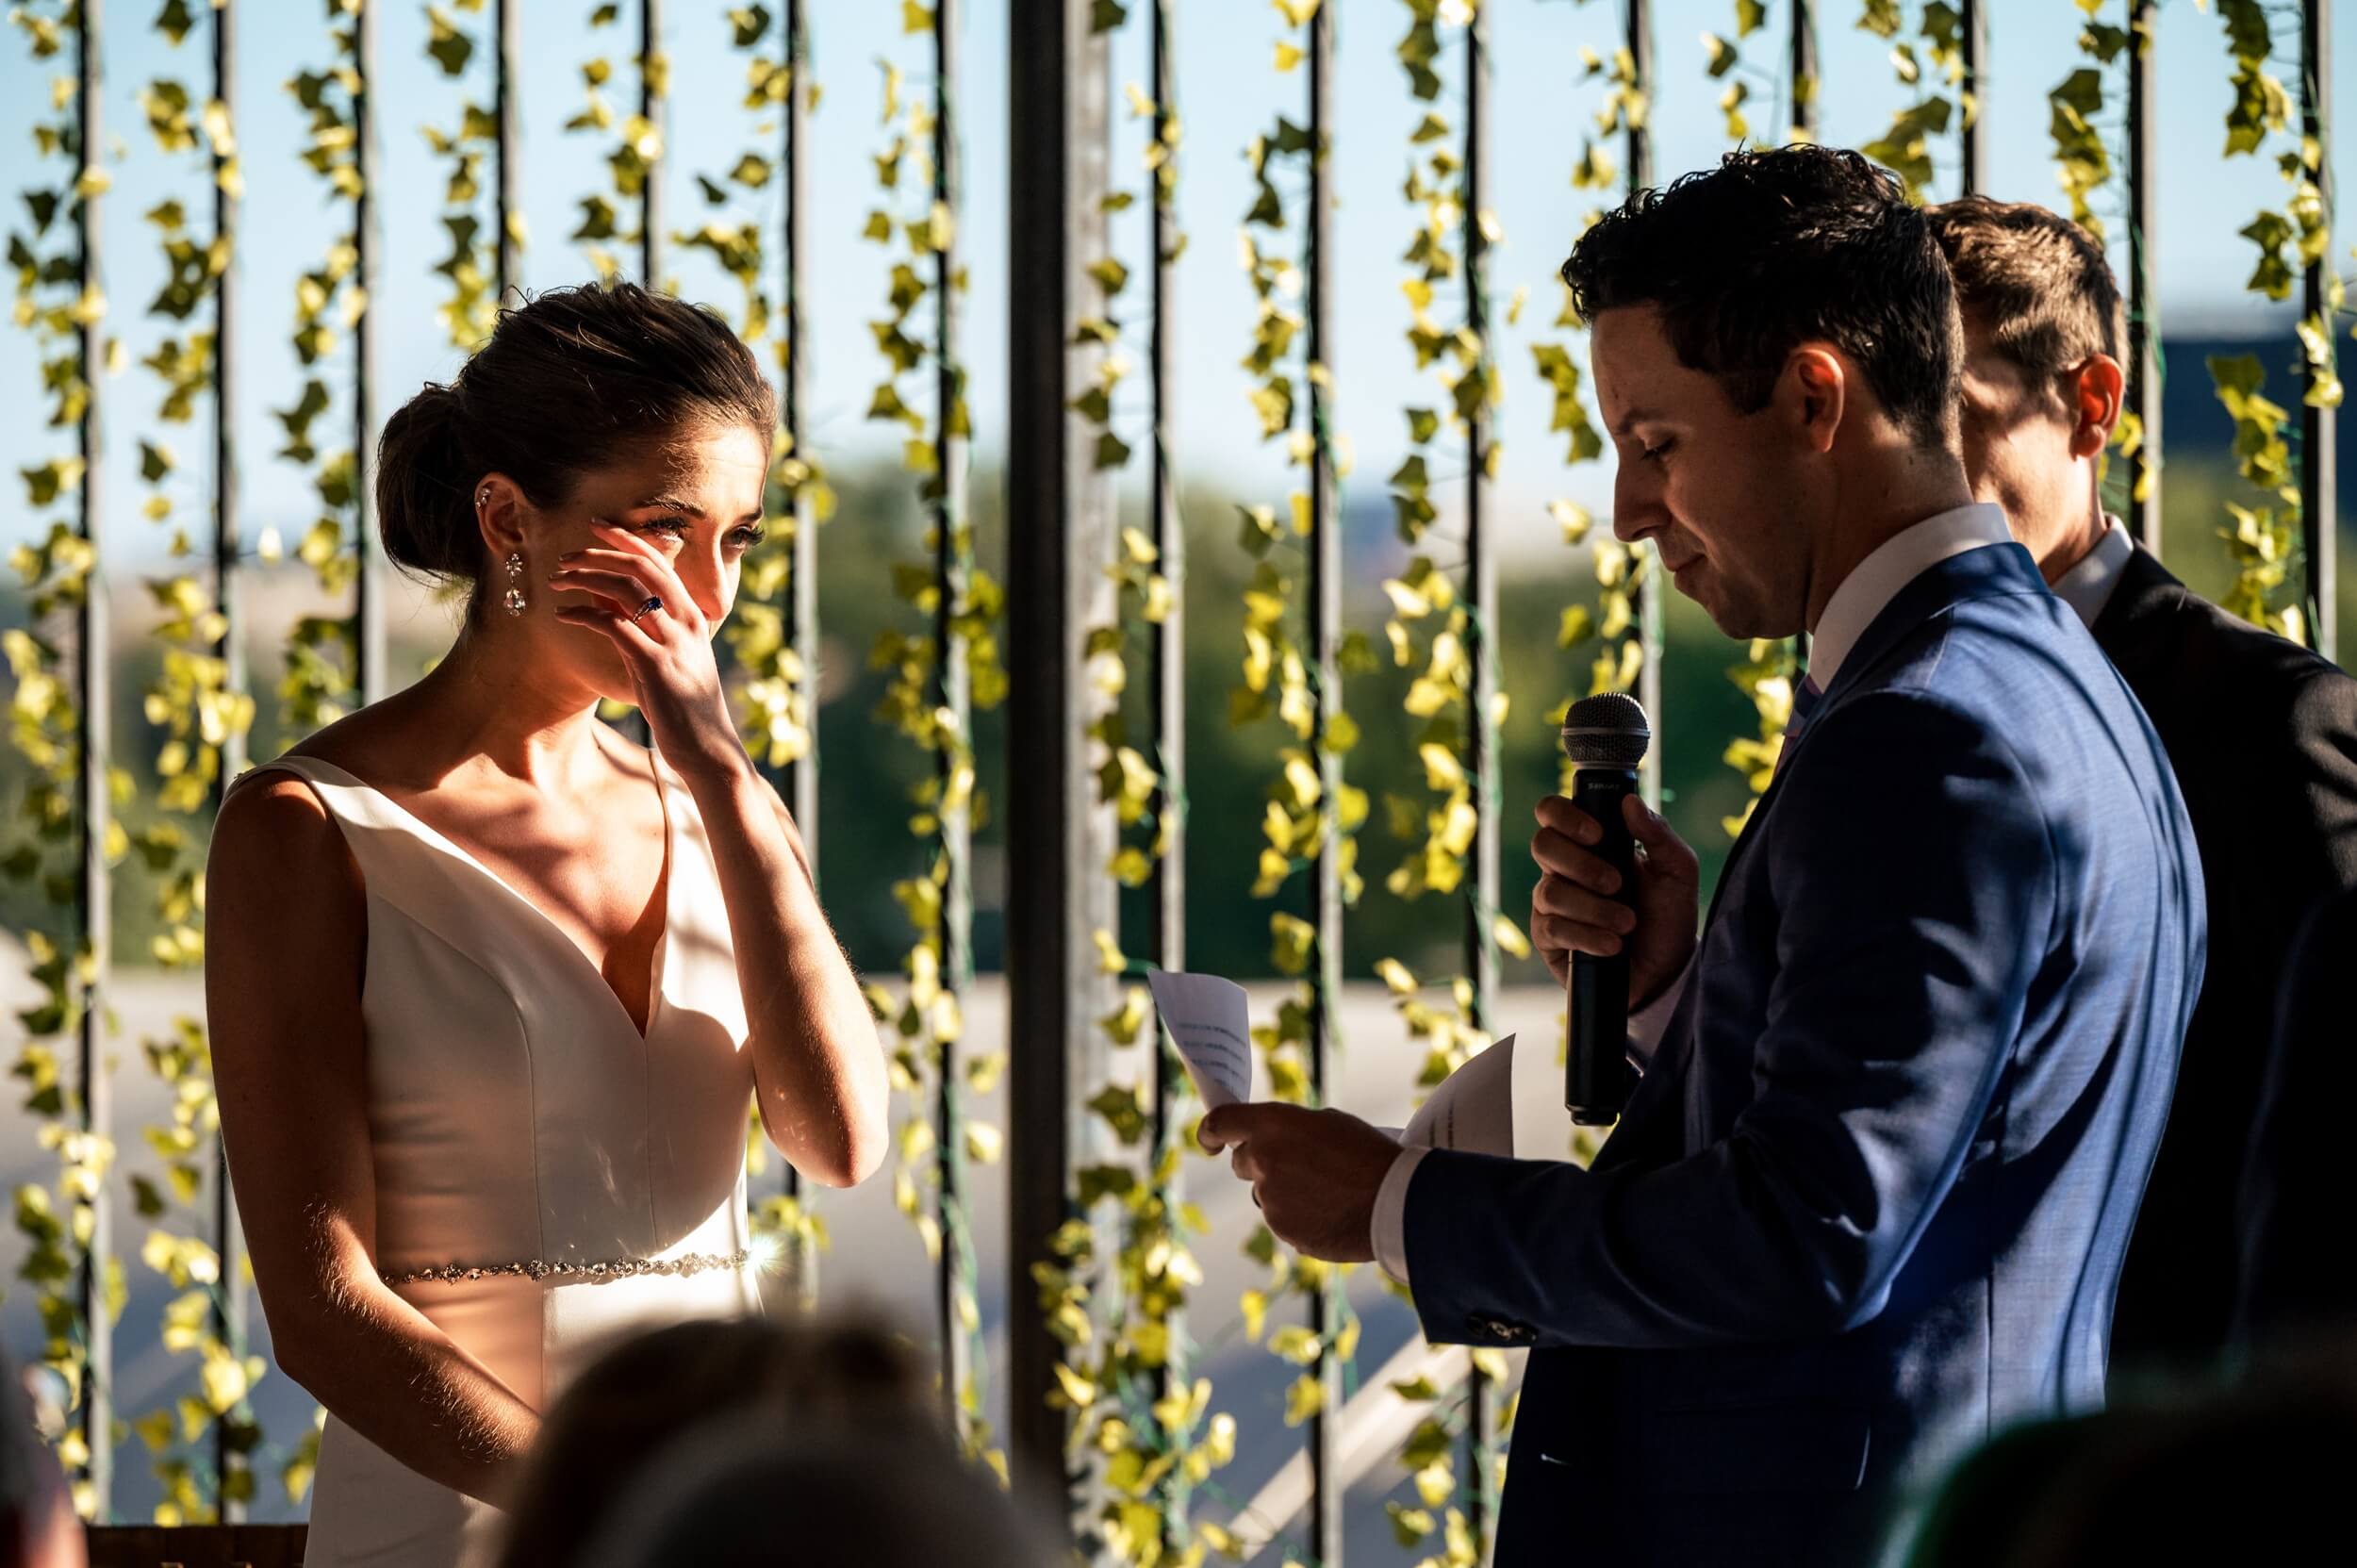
<point x="2262" y="733"/>
<point x="1871" y="1197"/>
<point x="2299" y="1273"/>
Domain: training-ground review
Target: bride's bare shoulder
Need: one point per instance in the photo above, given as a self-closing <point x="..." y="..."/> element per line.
<point x="361" y="743"/>
<point x="272" y="822"/>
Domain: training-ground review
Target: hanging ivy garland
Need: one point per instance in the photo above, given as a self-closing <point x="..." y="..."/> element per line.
<point x="1932" y="64"/>
<point x="773" y="689"/>
<point x="2262" y="541"/>
<point x="1728" y="65"/>
<point x="637" y="147"/>
<point x="190" y="707"/>
<point x="52" y="305"/>
<point x="1297" y="818"/>
<point x="928" y="1018"/>
<point x="1131" y="1405"/>
<point x="472" y="269"/>
<point x="322" y="652"/>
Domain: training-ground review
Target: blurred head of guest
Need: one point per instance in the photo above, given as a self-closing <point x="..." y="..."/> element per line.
<point x="37" y="1529"/>
<point x="646" y="1392"/>
<point x="2254" y="1472"/>
<point x="2258" y="1474"/>
<point x="601" y="406"/>
<point x="1776" y="348"/>
<point x="2044" y="336"/>
<point x="741" y="1496"/>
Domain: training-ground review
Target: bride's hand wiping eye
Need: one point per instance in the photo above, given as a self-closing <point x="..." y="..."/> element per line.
<point x="637" y="602"/>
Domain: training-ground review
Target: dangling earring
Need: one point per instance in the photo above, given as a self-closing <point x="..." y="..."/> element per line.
<point x="514" y="600"/>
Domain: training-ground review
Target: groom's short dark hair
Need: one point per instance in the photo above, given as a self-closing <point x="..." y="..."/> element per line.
<point x="1776" y="248"/>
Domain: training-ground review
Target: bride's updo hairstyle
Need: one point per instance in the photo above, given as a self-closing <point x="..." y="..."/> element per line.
<point x="570" y="382"/>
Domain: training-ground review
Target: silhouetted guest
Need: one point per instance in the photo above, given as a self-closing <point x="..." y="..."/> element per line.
<point x="647" y="1392"/>
<point x="2253" y="1474"/>
<point x="739" y="1497"/>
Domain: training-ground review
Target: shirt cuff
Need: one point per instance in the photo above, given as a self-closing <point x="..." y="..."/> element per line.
<point x="1389" y="1227"/>
<point x="1646" y="1024"/>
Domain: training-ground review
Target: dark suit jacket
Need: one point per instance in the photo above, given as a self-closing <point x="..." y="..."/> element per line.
<point x="2263" y="735"/>
<point x="2300" y="1273"/>
<point x="1871" y="1199"/>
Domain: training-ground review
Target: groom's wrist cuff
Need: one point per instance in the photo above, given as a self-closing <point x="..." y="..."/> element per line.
<point x="1389" y="1227"/>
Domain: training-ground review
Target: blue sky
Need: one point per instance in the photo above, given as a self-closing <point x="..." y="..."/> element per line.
<point x="1227" y="90"/>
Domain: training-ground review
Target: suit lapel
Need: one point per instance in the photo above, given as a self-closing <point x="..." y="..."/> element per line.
<point x="1973" y="574"/>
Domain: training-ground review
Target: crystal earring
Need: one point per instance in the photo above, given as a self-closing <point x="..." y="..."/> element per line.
<point x="514" y="600"/>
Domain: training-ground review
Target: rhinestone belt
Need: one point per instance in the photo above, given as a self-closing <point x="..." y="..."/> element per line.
<point x="536" y="1268"/>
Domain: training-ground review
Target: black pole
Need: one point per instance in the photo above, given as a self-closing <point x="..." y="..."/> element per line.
<point x="2144" y="307"/>
<point x="1481" y="737"/>
<point x="1975" y="30"/>
<point x="1058" y="839"/>
<point x="229" y="1304"/>
<point x="507" y="24"/>
<point x="1327" y="1304"/>
<point x="374" y="679"/>
<point x="94" y="902"/>
<point x="802" y="605"/>
<point x="1646" y="600"/>
<point x="651" y="215"/>
<point x="800" y="784"/>
<point x="2319" y="460"/>
<point x="953" y="572"/>
<point x="1166" y="718"/>
<point x="1804" y="66"/>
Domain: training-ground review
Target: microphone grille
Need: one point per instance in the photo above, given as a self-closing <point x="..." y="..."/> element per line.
<point x="1608" y="730"/>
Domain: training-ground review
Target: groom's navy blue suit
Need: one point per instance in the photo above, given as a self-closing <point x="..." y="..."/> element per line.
<point x="1872" y="1196"/>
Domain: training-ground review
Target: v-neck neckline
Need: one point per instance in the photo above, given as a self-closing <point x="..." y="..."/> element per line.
<point x="658" y="961"/>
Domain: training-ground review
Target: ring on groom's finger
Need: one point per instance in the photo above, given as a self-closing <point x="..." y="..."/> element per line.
<point x="655" y="603"/>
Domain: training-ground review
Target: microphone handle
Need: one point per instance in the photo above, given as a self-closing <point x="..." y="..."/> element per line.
<point x="1597" y="1077"/>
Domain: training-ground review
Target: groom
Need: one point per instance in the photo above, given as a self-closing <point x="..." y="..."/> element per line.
<point x="1870" y="1199"/>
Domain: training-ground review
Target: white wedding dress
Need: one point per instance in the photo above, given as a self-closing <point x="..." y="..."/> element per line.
<point x="518" y="1120"/>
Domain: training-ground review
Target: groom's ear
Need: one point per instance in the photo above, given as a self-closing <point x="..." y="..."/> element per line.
<point x="1813" y="394"/>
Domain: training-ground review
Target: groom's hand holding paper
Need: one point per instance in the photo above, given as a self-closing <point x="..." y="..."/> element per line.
<point x="1316" y="1174"/>
<point x="1211" y="1026"/>
<point x="1312" y="1171"/>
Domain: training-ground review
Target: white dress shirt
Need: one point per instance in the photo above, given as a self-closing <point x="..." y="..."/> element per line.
<point x="1861" y="595"/>
<point x="2087" y="588"/>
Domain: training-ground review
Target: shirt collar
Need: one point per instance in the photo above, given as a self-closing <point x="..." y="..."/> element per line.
<point x="1896" y="562"/>
<point x="2087" y="588"/>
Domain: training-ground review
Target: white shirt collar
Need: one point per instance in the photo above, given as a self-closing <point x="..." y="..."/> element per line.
<point x="1896" y="562"/>
<point x="2087" y="587"/>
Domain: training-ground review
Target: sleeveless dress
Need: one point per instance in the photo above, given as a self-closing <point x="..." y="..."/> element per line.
<point x="516" y="1116"/>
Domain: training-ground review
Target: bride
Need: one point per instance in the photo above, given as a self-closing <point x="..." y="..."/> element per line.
<point x="489" y="986"/>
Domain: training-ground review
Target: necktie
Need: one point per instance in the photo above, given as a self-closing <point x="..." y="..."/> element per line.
<point x="1805" y="699"/>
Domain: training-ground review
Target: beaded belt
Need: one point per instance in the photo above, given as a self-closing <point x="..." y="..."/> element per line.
<point x="534" y="1268"/>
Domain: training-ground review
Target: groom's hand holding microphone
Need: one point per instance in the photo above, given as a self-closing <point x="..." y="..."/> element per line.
<point x="1613" y="914"/>
<point x="1575" y="907"/>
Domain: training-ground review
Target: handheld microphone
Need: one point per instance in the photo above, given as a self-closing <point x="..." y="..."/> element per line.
<point x="1605" y="737"/>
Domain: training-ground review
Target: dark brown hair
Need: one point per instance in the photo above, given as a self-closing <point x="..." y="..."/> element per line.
<point x="1779" y="247"/>
<point x="2038" y="281"/>
<point x="637" y="1397"/>
<point x="568" y="380"/>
